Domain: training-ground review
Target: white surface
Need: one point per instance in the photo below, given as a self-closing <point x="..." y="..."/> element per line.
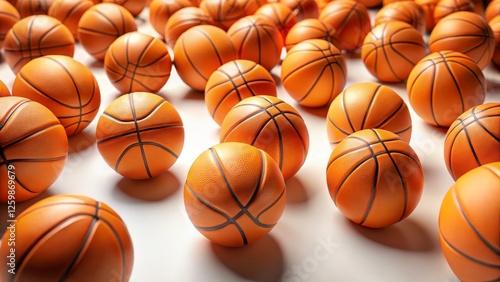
<point x="311" y="242"/>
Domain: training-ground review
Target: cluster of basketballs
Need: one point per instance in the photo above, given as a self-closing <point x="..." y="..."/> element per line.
<point x="235" y="192"/>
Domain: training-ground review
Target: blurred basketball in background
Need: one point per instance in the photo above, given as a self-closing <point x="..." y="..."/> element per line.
<point x="246" y="197"/>
<point x="183" y="20"/>
<point x="314" y="72"/>
<point x="85" y="232"/>
<point x="278" y="13"/>
<point x="233" y="82"/>
<point x="34" y="149"/>
<point x="469" y="230"/>
<point x="4" y="90"/>
<point x="102" y="24"/>
<point x="374" y="178"/>
<point x="371" y="3"/>
<point x="161" y="10"/>
<point x="473" y="139"/>
<point x="387" y="2"/>
<point x="199" y="52"/>
<point x="28" y="8"/>
<point x="36" y="36"/>
<point x="140" y="135"/>
<point x="311" y="29"/>
<point x="69" y="12"/>
<point x="223" y="12"/>
<point x="135" y="7"/>
<point x="492" y="10"/>
<point x="367" y="105"/>
<point x="447" y="7"/>
<point x="495" y="27"/>
<point x="137" y="62"/>
<point x="8" y="17"/>
<point x="257" y="39"/>
<point x="303" y="9"/>
<point x="464" y="32"/>
<point x="443" y="85"/>
<point x="428" y="7"/>
<point x="350" y="19"/>
<point x="251" y="6"/>
<point x="405" y="11"/>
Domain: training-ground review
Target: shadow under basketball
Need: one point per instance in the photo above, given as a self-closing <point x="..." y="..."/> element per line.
<point x="296" y="192"/>
<point x="80" y="142"/>
<point x="154" y="189"/>
<point x="260" y="261"/>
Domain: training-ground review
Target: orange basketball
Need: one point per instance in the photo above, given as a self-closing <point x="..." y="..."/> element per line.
<point x="199" y="52"/>
<point x="364" y="106"/>
<point x="278" y="13"/>
<point x="36" y="36"/>
<point x="233" y="82"/>
<point x="223" y="12"/>
<point x="374" y="178"/>
<point x="303" y="9"/>
<point x="465" y="32"/>
<point x="428" y="7"/>
<point x="4" y="90"/>
<point x="473" y="139"/>
<point x="28" y="8"/>
<point x="391" y="50"/>
<point x="257" y="39"/>
<point x="443" y="85"/>
<point x="140" y="135"/>
<point x="405" y="11"/>
<point x="135" y="7"/>
<point x="447" y="7"/>
<point x="492" y="10"/>
<point x="314" y="72"/>
<point x="68" y="238"/>
<point x="495" y="26"/>
<point x="311" y="29"/>
<point x="469" y="230"/>
<point x="69" y="12"/>
<point x="245" y="198"/>
<point x="65" y="86"/>
<point x="251" y="6"/>
<point x="272" y="125"/>
<point x="183" y="20"/>
<point x="34" y="149"/>
<point x="101" y="25"/>
<point x="137" y="62"/>
<point x="350" y="19"/>
<point x="387" y="2"/>
<point x="8" y="17"/>
<point x="161" y="10"/>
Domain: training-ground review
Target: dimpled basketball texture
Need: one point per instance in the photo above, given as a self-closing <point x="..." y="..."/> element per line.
<point x="428" y="7"/>
<point x="135" y="7"/>
<point x="28" y="8"/>
<point x="4" y="90"/>
<point x="161" y="10"/>
<point x="233" y="82"/>
<point x="68" y="238"/>
<point x="257" y="39"/>
<point x="314" y="72"/>
<point x="69" y="12"/>
<point x="183" y="20"/>
<point x="140" y="135"/>
<point x="34" y="143"/>
<point x="495" y="26"/>
<point x="469" y="230"/>
<point x="137" y="62"/>
<point x="364" y="106"/>
<point x="223" y="12"/>
<point x="8" y="17"/>
<point x="65" y="86"/>
<point x="447" y="7"/>
<point x="350" y="19"/>
<point x="374" y="178"/>
<point x="473" y="139"/>
<point x="391" y="50"/>
<point x="199" y="52"/>
<point x="311" y="29"/>
<point x="443" y="85"/>
<point x="34" y="37"/>
<point x="101" y="25"/>
<point x="249" y="189"/>
<point x="464" y="32"/>
<point x="303" y="9"/>
<point x="405" y="11"/>
<point x="278" y="13"/>
<point x="492" y="10"/>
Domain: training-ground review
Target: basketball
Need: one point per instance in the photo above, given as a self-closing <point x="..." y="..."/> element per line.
<point x="258" y="40"/>
<point x="223" y="12"/>
<point x="464" y="32"/>
<point x="405" y="11"/>
<point x="34" y="37"/>
<point x="473" y="139"/>
<point x="469" y="231"/>
<point x="391" y="50"/>
<point x="161" y="10"/>
<point x="140" y="135"/>
<point x="137" y="62"/>
<point x="278" y="13"/>
<point x="428" y="7"/>
<point x="209" y="46"/>
<point x="447" y="7"/>
<point x="245" y="198"/>
<point x="443" y="85"/>
<point x="350" y="19"/>
<point x="34" y="149"/>
<point x="233" y="82"/>
<point x="314" y="72"/>
<point x="69" y="12"/>
<point x="311" y="29"/>
<point x="28" y="8"/>
<point x="303" y="9"/>
<point x="251" y="6"/>
<point x="135" y="7"/>
<point x="4" y="90"/>
<point x="367" y="105"/>
<point x="68" y="238"/>
<point x="102" y="24"/>
<point x="492" y="10"/>
<point x="183" y="20"/>
<point x="8" y="17"/>
<point x="374" y="178"/>
<point x="387" y="2"/>
<point x="495" y="26"/>
<point x="63" y="85"/>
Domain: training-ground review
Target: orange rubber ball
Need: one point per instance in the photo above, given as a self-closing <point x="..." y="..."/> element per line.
<point x="135" y="7"/>
<point x="311" y="29"/>
<point x="303" y="9"/>
<point x="69" y="12"/>
<point x="4" y="90"/>
<point x="492" y="10"/>
<point x="280" y="14"/>
<point x="8" y="17"/>
<point x="447" y="7"/>
<point x="428" y="7"/>
<point x="28" y="8"/>
<point x="161" y="10"/>
<point x="223" y="12"/>
<point x="183" y="20"/>
<point x="405" y="11"/>
<point x="495" y="26"/>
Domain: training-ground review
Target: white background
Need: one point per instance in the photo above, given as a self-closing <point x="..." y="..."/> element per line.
<point x="311" y="242"/>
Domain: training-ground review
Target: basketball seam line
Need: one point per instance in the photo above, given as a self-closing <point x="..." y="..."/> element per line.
<point x="141" y="130"/>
